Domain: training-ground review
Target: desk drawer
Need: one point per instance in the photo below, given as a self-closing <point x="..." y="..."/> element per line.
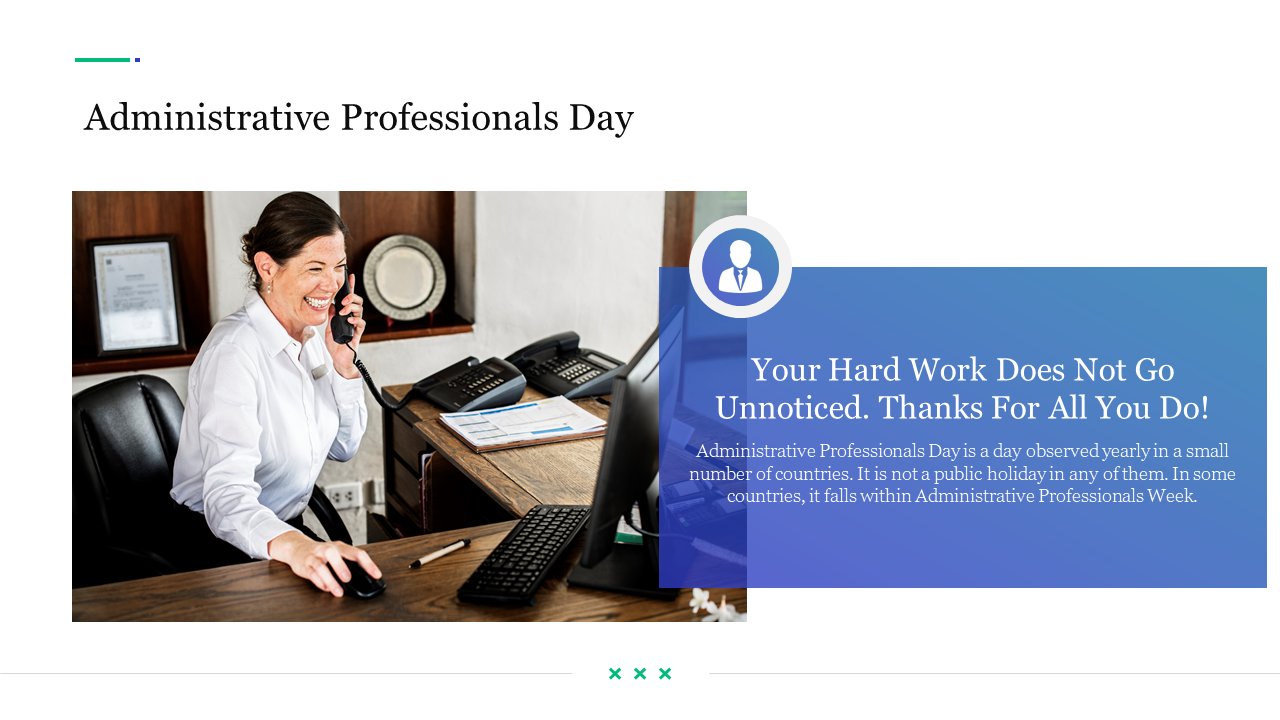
<point x="409" y="491"/>
<point x="443" y="498"/>
<point x="381" y="529"/>
<point x="407" y="443"/>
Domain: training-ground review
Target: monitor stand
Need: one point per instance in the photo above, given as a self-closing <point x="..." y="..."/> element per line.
<point x="630" y="569"/>
<point x="625" y="570"/>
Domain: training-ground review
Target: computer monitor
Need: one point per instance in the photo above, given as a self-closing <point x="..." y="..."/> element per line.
<point x="629" y="471"/>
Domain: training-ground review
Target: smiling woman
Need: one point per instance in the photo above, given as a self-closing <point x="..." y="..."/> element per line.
<point x="267" y="404"/>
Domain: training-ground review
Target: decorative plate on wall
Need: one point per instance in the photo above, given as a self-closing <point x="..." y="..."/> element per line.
<point x="404" y="277"/>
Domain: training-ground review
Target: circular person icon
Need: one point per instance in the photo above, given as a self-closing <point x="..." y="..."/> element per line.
<point x="740" y="278"/>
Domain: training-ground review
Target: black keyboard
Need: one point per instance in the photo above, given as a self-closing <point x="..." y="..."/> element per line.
<point x="515" y="569"/>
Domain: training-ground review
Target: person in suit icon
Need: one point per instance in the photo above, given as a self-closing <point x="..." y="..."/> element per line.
<point x="740" y="278"/>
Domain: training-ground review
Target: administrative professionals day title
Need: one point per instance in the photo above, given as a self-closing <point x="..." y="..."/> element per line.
<point x="352" y="116"/>
<point x="955" y="427"/>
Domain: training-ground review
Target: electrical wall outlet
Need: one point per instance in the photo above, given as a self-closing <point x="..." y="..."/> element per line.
<point x="345" y="495"/>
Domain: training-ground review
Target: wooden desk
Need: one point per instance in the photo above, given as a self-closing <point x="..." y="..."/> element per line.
<point x="510" y="482"/>
<point x="268" y="590"/>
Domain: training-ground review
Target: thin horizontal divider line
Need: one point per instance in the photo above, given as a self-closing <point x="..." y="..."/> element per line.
<point x="123" y="60"/>
<point x="307" y="674"/>
<point x="871" y="673"/>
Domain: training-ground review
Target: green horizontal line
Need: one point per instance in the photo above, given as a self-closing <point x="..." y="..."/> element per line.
<point x="102" y="59"/>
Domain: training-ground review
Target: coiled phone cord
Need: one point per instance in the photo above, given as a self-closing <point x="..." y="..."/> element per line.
<point x="373" y="388"/>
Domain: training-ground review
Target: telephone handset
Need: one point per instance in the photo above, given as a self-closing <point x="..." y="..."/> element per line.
<point x="557" y="366"/>
<point x="473" y="385"/>
<point x="340" y="325"/>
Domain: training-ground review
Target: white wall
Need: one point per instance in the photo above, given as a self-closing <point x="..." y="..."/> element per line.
<point x="544" y="263"/>
<point x="549" y="262"/>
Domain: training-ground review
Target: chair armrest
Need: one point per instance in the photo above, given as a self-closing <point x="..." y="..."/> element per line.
<point x="328" y="516"/>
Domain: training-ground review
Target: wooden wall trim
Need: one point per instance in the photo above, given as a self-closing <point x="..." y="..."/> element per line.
<point x="677" y="228"/>
<point x="99" y="215"/>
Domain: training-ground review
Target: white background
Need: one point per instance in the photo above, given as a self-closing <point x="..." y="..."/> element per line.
<point x="892" y="134"/>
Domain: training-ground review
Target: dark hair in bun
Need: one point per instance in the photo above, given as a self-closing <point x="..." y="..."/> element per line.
<point x="287" y="224"/>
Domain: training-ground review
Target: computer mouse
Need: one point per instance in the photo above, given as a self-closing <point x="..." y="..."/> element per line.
<point x="362" y="584"/>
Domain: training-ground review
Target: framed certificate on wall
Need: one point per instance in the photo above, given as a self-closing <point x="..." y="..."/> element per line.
<point x="136" y="296"/>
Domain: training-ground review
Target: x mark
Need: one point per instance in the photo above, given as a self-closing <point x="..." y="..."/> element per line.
<point x="639" y="674"/>
<point x="613" y="674"/>
<point x="664" y="674"/>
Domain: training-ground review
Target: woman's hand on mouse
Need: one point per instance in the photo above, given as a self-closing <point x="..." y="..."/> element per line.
<point x="320" y="562"/>
<point x="352" y="307"/>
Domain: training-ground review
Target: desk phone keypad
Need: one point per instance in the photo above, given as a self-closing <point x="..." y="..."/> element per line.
<point x="697" y="514"/>
<point x="569" y="368"/>
<point x="476" y="382"/>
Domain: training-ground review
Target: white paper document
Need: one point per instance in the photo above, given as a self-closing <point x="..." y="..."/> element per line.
<point x="135" y="296"/>
<point x="524" y="422"/>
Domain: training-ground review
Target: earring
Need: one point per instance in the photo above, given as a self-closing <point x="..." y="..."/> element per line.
<point x="268" y="288"/>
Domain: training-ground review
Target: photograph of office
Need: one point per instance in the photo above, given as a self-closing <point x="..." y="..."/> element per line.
<point x="212" y="389"/>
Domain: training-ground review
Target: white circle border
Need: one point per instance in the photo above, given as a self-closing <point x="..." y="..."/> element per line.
<point x="699" y="281"/>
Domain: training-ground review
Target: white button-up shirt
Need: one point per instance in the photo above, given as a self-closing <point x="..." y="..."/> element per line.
<point x="258" y="426"/>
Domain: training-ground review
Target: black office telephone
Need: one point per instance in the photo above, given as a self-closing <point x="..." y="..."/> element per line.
<point x="473" y="385"/>
<point x="462" y="387"/>
<point x="557" y="366"/>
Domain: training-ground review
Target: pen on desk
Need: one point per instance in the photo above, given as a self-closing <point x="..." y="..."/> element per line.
<point x="442" y="551"/>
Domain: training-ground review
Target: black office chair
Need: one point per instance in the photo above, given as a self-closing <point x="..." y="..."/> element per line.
<point x="124" y="436"/>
